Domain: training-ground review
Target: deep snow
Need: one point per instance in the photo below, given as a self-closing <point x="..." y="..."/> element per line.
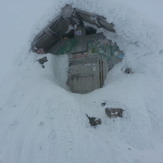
<point x="41" y="121"/>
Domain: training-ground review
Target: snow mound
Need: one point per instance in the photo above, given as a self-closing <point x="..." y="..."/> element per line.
<point x="42" y="121"/>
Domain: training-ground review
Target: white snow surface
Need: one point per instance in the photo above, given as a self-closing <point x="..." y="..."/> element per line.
<point x="41" y="121"/>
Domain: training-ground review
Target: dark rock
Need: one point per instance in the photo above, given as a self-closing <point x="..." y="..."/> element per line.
<point x="128" y="71"/>
<point x="103" y="103"/>
<point x="42" y="61"/>
<point x="114" y="112"/>
<point x="94" y="121"/>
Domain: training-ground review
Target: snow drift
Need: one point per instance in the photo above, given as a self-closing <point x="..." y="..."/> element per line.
<point x="42" y="121"/>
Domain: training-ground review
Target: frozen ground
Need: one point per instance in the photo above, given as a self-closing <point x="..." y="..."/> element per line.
<point x="41" y="121"/>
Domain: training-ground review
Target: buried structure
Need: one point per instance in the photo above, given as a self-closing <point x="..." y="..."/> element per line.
<point x="91" y="54"/>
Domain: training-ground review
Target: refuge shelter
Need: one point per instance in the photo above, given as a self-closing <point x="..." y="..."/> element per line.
<point x="91" y="54"/>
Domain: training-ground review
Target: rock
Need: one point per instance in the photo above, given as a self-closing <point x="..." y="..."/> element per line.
<point x="42" y="61"/>
<point x="114" y="112"/>
<point x="128" y="71"/>
<point x="94" y="121"/>
<point x="103" y="103"/>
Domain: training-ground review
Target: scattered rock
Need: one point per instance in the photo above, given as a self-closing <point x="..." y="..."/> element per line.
<point x="103" y="103"/>
<point x="114" y="112"/>
<point x="128" y="70"/>
<point x="42" y="61"/>
<point x="94" y="121"/>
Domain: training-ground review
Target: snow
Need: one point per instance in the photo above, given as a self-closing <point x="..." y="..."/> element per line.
<point x="41" y="121"/>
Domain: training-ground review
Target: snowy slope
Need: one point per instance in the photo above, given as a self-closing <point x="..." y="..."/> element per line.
<point x="41" y="121"/>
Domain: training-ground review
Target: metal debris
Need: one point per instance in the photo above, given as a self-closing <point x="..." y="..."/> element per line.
<point x="114" y="112"/>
